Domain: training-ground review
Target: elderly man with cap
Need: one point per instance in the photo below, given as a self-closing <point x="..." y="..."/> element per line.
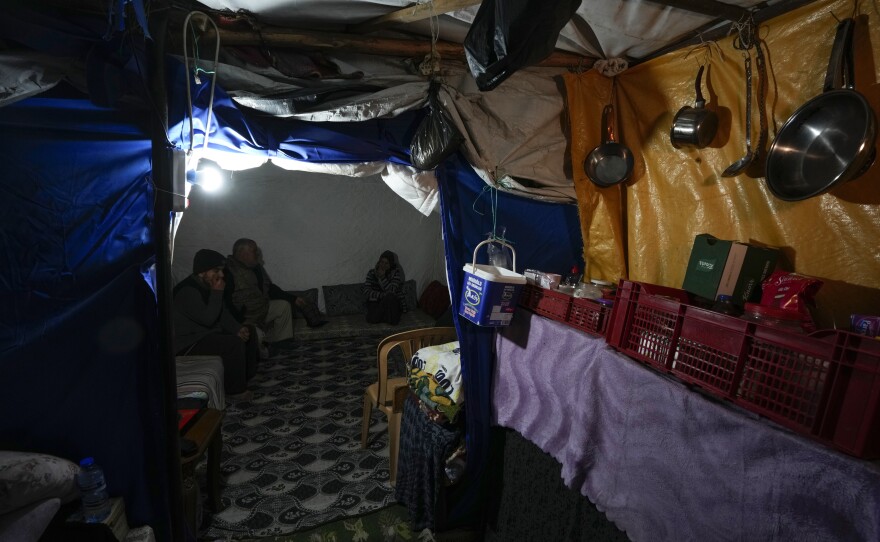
<point x="203" y="326"/>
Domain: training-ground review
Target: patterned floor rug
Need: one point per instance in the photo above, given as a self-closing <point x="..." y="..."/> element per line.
<point x="291" y="456"/>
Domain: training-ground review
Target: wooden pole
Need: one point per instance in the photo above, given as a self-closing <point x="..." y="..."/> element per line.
<point x="320" y="41"/>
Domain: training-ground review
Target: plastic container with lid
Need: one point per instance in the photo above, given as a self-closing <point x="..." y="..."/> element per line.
<point x="773" y="317"/>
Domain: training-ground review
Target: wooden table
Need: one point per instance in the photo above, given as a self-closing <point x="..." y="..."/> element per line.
<point x="206" y="435"/>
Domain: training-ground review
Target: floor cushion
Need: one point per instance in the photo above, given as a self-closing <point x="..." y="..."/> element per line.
<point x="342" y="299"/>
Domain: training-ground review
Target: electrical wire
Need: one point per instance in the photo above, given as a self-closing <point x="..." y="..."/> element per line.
<point x="196" y="69"/>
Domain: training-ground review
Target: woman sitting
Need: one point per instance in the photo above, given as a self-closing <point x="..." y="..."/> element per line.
<point x="383" y="289"/>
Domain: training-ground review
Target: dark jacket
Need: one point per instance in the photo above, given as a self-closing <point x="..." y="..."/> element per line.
<point x="198" y="311"/>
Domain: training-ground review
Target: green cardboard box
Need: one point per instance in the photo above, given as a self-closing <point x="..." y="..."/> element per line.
<point x="706" y="265"/>
<point x="718" y="266"/>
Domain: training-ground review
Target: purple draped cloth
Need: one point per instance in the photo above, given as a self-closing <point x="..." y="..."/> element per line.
<point x="667" y="463"/>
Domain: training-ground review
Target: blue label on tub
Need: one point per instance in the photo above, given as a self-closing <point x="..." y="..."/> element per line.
<point x="472" y="297"/>
<point x="488" y="303"/>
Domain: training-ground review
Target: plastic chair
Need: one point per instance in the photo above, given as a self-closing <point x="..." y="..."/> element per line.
<point x="388" y="394"/>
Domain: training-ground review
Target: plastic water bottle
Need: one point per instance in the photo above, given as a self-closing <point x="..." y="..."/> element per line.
<point x="93" y="489"/>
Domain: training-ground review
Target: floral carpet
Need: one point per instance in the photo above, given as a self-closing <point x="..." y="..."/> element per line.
<point x="291" y="457"/>
<point x="388" y="524"/>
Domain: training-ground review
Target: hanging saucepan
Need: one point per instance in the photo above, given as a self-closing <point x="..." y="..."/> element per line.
<point x="694" y="126"/>
<point x="611" y="162"/>
<point x="829" y="139"/>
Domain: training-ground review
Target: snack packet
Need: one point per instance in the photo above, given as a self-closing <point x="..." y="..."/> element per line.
<point x="793" y="293"/>
<point x="865" y="325"/>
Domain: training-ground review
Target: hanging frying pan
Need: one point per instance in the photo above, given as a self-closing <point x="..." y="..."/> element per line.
<point x="611" y="162"/>
<point x="828" y="140"/>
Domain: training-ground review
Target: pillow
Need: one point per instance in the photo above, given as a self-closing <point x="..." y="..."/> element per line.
<point x="435" y="299"/>
<point x="26" y="478"/>
<point x="27" y="524"/>
<point x="310" y="295"/>
<point x="409" y="294"/>
<point x="340" y="299"/>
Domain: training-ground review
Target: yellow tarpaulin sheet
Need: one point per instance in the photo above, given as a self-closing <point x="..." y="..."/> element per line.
<point x="643" y="230"/>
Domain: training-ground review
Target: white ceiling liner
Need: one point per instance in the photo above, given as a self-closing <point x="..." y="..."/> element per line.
<point x="24" y="74"/>
<point x="418" y="188"/>
<point x="632" y="28"/>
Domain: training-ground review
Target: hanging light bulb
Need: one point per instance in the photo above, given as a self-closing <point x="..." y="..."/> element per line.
<point x="207" y="175"/>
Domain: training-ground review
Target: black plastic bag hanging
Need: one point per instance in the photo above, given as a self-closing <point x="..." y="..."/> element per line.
<point x="436" y="137"/>
<point x="507" y="35"/>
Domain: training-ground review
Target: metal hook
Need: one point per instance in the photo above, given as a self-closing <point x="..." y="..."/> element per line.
<point x="708" y="47"/>
<point x="745" y="33"/>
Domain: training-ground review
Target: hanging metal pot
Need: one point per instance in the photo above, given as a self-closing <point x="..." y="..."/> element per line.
<point x="694" y="126"/>
<point x="830" y="139"/>
<point x="611" y="162"/>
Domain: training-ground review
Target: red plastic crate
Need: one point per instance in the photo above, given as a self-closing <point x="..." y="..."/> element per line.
<point x="826" y="386"/>
<point x="852" y="415"/>
<point x="643" y="322"/>
<point x="786" y="377"/>
<point x="588" y="315"/>
<point x="548" y="303"/>
<point x="708" y="350"/>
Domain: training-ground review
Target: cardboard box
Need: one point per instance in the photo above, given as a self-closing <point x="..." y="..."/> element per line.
<point x="706" y="265"/>
<point x="116" y="523"/>
<point x="718" y="266"/>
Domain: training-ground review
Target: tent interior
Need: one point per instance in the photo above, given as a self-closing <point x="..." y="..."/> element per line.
<point x="311" y="108"/>
<point x="287" y="209"/>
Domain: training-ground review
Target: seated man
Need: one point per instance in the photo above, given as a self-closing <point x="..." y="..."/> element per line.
<point x="203" y="326"/>
<point x="255" y="299"/>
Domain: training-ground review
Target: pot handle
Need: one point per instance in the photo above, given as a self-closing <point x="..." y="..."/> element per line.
<point x="608" y="123"/>
<point x="700" y="102"/>
<point x="840" y="66"/>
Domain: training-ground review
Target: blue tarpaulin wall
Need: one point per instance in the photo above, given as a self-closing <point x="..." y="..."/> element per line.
<point x="545" y="236"/>
<point x="78" y="339"/>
